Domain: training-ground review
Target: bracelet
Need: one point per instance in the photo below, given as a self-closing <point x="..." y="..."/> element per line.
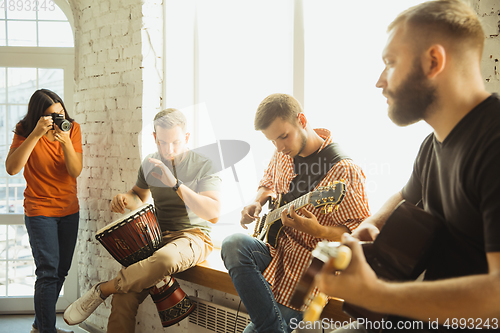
<point x="176" y="186"/>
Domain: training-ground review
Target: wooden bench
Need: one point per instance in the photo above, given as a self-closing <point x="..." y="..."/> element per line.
<point x="212" y="274"/>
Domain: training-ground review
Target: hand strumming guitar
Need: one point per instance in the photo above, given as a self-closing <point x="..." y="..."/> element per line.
<point x="250" y="213"/>
<point x="366" y="232"/>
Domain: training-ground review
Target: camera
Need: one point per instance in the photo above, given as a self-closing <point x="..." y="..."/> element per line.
<point x="59" y="120"/>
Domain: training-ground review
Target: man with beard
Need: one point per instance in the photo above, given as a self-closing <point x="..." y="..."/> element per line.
<point x="432" y="73"/>
<point x="265" y="275"/>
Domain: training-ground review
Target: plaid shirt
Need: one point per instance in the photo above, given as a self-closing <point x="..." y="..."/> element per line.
<point x="293" y="255"/>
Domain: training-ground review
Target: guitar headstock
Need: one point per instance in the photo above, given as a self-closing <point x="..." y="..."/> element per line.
<point x="328" y="195"/>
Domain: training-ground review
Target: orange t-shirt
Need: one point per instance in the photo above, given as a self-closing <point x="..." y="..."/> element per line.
<point x="50" y="190"/>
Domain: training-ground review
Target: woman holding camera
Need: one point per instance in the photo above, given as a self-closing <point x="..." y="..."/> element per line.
<point x="52" y="159"/>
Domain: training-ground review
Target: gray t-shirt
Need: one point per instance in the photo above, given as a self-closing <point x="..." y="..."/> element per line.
<point x="196" y="172"/>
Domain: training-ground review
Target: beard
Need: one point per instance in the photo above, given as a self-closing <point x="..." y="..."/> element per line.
<point x="303" y="137"/>
<point x="413" y="99"/>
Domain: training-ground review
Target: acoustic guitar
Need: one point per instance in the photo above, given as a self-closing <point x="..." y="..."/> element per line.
<point x="268" y="228"/>
<point x="399" y="253"/>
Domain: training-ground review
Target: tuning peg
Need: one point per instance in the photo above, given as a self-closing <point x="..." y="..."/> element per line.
<point x="323" y="210"/>
<point x="329" y="209"/>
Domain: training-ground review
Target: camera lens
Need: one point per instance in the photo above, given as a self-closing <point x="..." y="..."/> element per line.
<point x="62" y="123"/>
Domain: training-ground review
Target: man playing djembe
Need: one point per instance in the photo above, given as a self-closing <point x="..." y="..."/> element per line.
<point x="186" y="197"/>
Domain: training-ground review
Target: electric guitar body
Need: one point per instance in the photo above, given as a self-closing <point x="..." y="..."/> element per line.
<point x="274" y="229"/>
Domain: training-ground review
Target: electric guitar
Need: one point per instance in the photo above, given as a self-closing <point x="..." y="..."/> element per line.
<point x="269" y="226"/>
<point x="399" y="253"/>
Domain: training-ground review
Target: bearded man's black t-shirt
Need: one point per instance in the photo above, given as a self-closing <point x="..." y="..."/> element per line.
<point x="458" y="180"/>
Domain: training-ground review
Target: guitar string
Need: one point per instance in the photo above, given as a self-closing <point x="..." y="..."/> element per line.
<point x="302" y="201"/>
<point x="274" y="215"/>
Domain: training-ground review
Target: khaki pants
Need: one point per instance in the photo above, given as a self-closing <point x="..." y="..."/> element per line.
<point x="181" y="250"/>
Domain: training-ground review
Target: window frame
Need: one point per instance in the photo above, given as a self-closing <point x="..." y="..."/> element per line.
<point x="182" y="64"/>
<point x="42" y="57"/>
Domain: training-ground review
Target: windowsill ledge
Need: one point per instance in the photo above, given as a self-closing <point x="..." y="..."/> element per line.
<point x="212" y="274"/>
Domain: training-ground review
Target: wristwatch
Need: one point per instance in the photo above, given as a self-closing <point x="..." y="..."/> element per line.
<point x="176" y="186"/>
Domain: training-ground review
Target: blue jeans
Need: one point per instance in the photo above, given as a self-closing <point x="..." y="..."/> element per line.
<point x="246" y="258"/>
<point x="52" y="241"/>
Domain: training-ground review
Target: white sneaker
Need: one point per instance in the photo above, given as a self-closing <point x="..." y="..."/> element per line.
<point x="83" y="307"/>
<point x="59" y="330"/>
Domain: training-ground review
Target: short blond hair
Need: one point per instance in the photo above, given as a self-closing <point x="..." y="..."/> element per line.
<point x="447" y="20"/>
<point x="277" y="105"/>
<point x="170" y="118"/>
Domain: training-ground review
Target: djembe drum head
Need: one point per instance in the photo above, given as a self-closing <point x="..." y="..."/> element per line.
<point x="133" y="237"/>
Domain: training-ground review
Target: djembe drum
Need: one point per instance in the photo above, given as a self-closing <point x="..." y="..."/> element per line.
<point x="135" y="237"/>
<point x="132" y="238"/>
<point x="172" y="303"/>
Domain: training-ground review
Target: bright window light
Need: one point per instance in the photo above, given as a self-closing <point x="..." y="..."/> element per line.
<point x="244" y="52"/>
<point x="34" y="23"/>
<point x="343" y="61"/>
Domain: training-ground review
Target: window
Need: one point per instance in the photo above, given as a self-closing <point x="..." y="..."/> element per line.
<point x="36" y="49"/>
<point x="224" y="57"/>
<point x="241" y="53"/>
<point x="34" y="23"/>
<point x="343" y="61"/>
<point x="17" y="269"/>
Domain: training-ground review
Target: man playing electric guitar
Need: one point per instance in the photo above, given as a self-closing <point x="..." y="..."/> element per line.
<point x="265" y="276"/>
<point x="432" y="73"/>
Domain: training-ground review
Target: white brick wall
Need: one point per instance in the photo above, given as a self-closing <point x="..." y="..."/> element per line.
<point x="118" y="74"/>
<point x="489" y="13"/>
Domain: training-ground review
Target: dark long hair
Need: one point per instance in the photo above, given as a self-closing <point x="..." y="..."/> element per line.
<point x="40" y="101"/>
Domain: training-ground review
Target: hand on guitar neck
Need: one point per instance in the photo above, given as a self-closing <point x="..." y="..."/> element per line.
<point x="400" y="252"/>
<point x="307" y="223"/>
<point x="331" y="259"/>
<point x="331" y="282"/>
<point x="338" y="257"/>
<point x="269" y="227"/>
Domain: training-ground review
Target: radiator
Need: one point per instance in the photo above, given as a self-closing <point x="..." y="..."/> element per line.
<point x="208" y="317"/>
